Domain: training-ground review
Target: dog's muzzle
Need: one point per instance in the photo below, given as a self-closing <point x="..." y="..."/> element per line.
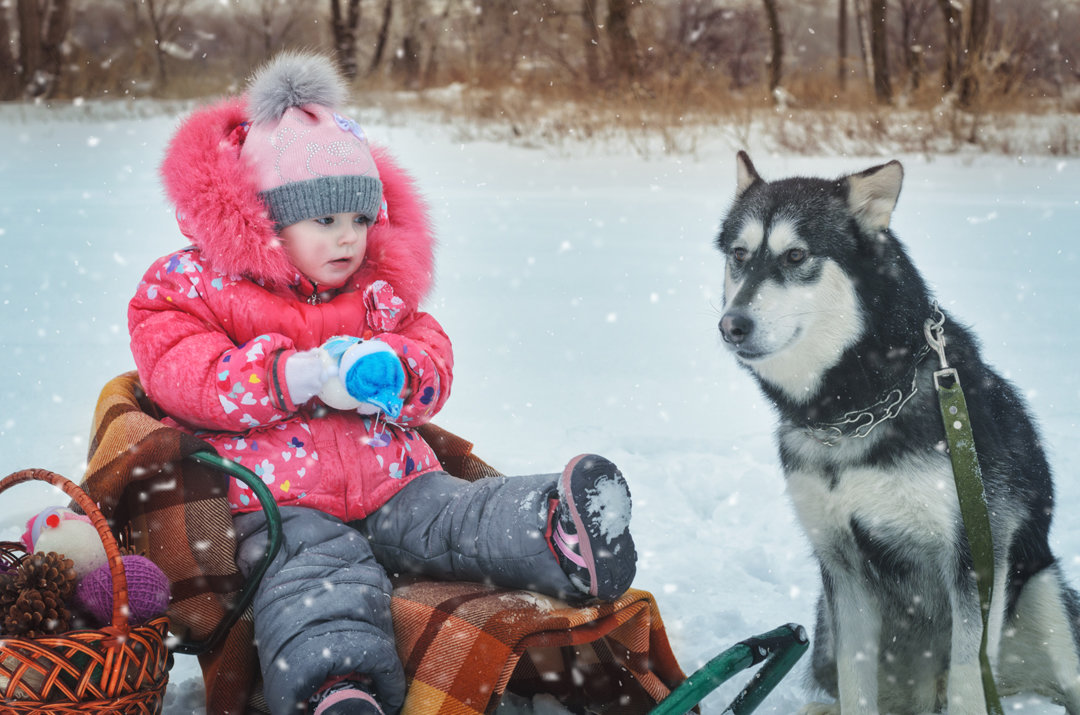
<point x="736" y="327"/>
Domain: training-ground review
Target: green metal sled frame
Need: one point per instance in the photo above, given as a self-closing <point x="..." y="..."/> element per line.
<point x="777" y="651"/>
<point x="273" y="529"/>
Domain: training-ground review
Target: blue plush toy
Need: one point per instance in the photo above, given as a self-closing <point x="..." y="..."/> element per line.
<point x="366" y="375"/>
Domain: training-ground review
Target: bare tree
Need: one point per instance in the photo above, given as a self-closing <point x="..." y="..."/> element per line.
<point x="954" y="43"/>
<point x="879" y="49"/>
<point x="43" y="26"/>
<point x="592" y="41"/>
<point x="493" y="40"/>
<point x="272" y="21"/>
<point x="967" y="28"/>
<point x="721" y="37"/>
<point x="542" y="40"/>
<point x="344" y="23"/>
<point x="841" y="44"/>
<point x="776" y="58"/>
<point x="165" y="21"/>
<point x="9" y="80"/>
<point x="977" y="31"/>
<point x="383" y="36"/>
<point x="862" y="25"/>
<point x="430" y="26"/>
<point x="406" y="64"/>
<point x="624" y="51"/>
<point x="913" y="22"/>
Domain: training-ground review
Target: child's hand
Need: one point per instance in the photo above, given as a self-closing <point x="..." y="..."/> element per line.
<point x="372" y="374"/>
<point x="369" y="375"/>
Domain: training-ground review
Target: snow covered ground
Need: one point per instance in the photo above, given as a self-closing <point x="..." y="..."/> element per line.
<point x="582" y="292"/>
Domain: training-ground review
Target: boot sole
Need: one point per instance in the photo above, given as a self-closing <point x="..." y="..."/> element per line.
<point x="615" y="581"/>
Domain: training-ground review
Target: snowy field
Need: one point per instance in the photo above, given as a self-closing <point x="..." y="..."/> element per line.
<point x="582" y="292"/>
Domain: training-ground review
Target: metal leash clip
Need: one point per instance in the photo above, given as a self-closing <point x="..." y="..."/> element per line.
<point x="934" y="330"/>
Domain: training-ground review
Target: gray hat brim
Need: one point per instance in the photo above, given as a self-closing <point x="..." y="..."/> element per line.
<point x="323" y="196"/>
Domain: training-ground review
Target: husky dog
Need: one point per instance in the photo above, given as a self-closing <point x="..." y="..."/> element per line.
<point x="824" y="307"/>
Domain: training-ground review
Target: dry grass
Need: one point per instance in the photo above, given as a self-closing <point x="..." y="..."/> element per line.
<point x="676" y="112"/>
<point x="677" y="116"/>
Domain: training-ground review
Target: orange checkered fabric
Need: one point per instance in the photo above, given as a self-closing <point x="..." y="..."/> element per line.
<point x="464" y="644"/>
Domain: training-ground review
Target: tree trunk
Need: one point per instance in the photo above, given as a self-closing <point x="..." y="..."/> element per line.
<point x="409" y="65"/>
<point x="978" y="30"/>
<point x="841" y="45"/>
<point x="272" y="33"/>
<point x="9" y="81"/>
<point x="431" y="66"/>
<point x="383" y="36"/>
<point x="624" y="54"/>
<point x="267" y="38"/>
<point x="907" y="35"/>
<point x="592" y="41"/>
<point x="29" y="15"/>
<point x="406" y="63"/>
<point x="954" y="51"/>
<point x="862" y="25"/>
<point x="43" y="26"/>
<point x="776" y="62"/>
<point x="344" y="26"/>
<point x="57" y="23"/>
<point x="159" y="41"/>
<point x="879" y="49"/>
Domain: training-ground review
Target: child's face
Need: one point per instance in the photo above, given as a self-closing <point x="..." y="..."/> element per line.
<point x="327" y="249"/>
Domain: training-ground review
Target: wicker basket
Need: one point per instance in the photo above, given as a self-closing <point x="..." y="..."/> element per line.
<point x="118" y="669"/>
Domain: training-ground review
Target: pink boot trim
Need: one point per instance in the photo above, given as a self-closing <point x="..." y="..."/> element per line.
<point x="565" y="543"/>
<point x="579" y="525"/>
<point x="345" y="694"/>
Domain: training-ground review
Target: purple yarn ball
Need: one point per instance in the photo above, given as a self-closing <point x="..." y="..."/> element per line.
<point x="148" y="591"/>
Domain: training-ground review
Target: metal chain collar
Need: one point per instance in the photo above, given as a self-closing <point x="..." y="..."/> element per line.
<point x="860" y="423"/>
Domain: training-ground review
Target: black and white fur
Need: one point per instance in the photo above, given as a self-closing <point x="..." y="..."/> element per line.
<point x="824" y="307"/>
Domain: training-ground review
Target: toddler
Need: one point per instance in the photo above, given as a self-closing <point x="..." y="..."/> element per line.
<point x="289" y="337"/>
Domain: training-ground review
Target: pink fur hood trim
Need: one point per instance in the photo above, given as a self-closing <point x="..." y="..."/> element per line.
<point x="218" y="209"/>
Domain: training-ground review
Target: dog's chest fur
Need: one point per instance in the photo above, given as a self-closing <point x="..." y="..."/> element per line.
<point x="853" y="510"/>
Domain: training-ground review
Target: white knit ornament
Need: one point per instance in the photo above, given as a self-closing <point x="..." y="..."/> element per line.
<point x="77" y="540"/>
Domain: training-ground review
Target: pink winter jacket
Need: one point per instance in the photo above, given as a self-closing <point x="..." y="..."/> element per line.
<point x="213" y="324"/>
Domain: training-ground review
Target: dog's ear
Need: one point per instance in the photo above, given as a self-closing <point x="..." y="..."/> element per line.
<point x="872" y="195"/>
<point x="745" y="175"/>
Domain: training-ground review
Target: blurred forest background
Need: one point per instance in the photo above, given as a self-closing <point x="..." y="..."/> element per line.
<point x="911" y="72"/>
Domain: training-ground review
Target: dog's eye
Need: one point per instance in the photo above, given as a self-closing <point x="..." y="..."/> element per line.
<point x="795" y="256"/>
<point x="740" y="254"/>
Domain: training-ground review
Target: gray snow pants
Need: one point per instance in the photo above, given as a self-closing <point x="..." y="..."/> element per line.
<point x="323" y="607"/>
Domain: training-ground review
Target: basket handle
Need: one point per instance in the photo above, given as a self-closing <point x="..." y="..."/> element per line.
<point x="112" y="550"/>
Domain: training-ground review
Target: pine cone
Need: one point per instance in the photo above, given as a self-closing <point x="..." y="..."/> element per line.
<point x="35" y="614"/>
<point x="9" y="592"/>
<point x="48" y="573"/>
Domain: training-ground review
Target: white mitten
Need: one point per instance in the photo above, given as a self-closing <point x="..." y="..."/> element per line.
<point x="306" y="374"/>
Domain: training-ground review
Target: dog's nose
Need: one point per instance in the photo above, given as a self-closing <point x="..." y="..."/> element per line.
<point x="735" y="327"/>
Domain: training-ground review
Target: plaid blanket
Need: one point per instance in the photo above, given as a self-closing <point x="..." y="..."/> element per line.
<point x="462" y="644"/>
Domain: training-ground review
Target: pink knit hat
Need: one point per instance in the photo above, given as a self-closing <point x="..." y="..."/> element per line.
<point x="308" y="159"/>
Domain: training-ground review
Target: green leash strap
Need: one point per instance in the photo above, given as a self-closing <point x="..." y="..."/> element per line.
<point x="969" y="492"/>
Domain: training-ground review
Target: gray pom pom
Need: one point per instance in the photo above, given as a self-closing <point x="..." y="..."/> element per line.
<point x="293" y="79"/>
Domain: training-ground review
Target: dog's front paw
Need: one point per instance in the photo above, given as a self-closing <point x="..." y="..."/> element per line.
<point x="820" y="709"/>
